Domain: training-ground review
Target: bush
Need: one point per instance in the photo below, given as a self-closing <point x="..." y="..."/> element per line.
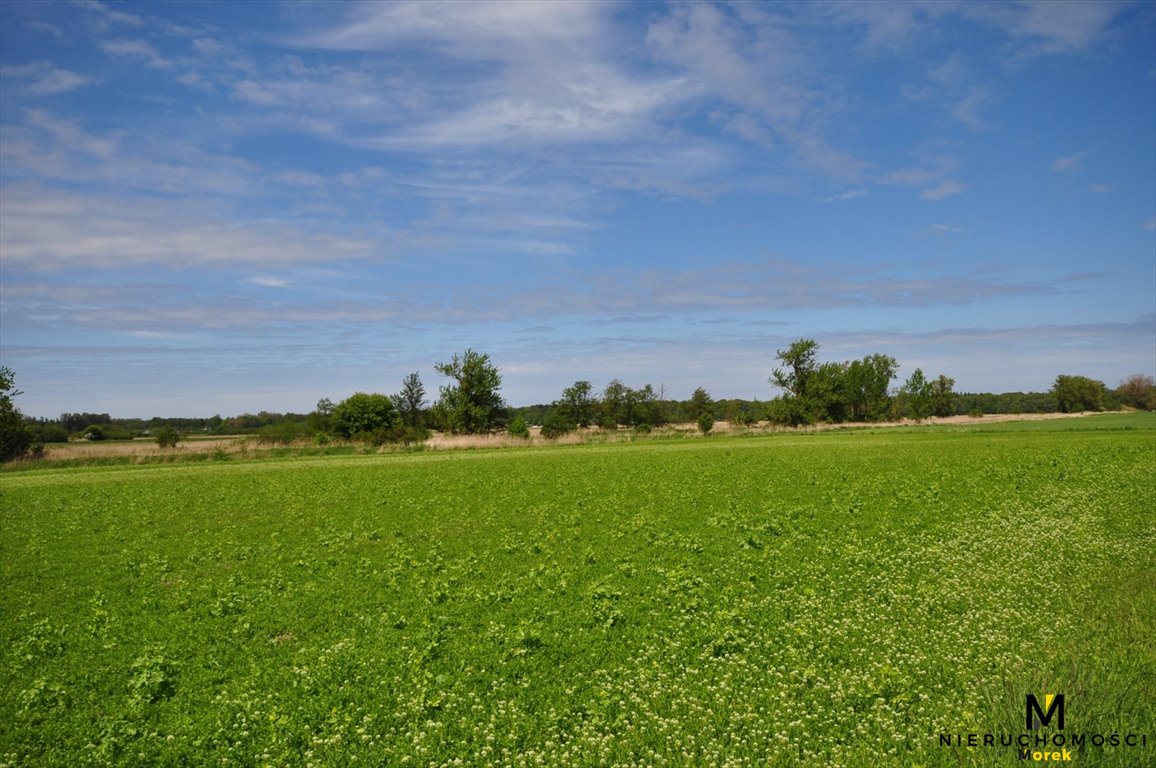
<point x="363" y="414"/>
<point x="285" y="433"/>
<point x="557" y="424"/>
<point x="167" y="437"/>
<point x="96" y="432"/>
<point x="49" y="433"/>
<point x="746" y="418"/>
<point x="412" y="435"/>
<point x="518" y="428"/>
<point x="705" y="423"/>
<point x="788" y="411"/>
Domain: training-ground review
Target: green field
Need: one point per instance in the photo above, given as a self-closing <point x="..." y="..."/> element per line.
<point x="833" y="598"/>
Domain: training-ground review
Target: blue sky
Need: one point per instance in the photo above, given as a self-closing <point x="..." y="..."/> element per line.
<point x="219" y="208"/>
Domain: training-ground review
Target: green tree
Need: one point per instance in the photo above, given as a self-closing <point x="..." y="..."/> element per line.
<point x="472" y="404"/>
<point x="943" y="396"/>
<point x="578" y="403"/>
<point x="798" y="404"/>
<point x="362" y="415"/>
<point x="916" y="396"/>
<point x="15" y="439"/>
<point x="700" y="403"/>
<point x="616" y="404"/>
<point x="800" y="362"/>
<point x="321" y="420"/>
<point x="867" y="383"/>
<point x="410" y="401"/>
<point x="1078" y="393"/>
<point x="645" y="406"/>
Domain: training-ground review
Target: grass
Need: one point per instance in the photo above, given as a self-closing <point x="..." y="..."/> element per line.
<point x="832" y="598"/>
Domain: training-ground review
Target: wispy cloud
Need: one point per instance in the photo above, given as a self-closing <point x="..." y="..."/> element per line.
<point x="109" y="15"/>
<point x="1150" y="224"/>
<point x="136" y="49"/>
<point x="1054" y="28"/>
<point x="1069" y="163"/>
<point x="753" y="61"/>
<point x="43" y="79"/>
<point x="850" y="194"/>
<point x="953" y="84"/>
<point x="943" y="190"/>
<point x="45" y="230"/>
<point x="268" y="281"/>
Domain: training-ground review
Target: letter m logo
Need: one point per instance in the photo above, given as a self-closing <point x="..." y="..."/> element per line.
<point x="1039" y="717"/>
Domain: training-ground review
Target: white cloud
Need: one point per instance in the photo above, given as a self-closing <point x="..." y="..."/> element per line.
<point x="850" y="194"/>
<point x="1070" y="162"/>
<point x="46" y="79"/>
<point x="59" y="81"/>
<point x="48" y="147"/>
<point x="1100" y="189"/>
<point x="107" y="14"/>
<point x="751" y="59"/>
<point x="889" y="26"/>
<point x="1150" y="224"/>
<point x="268" y="281"/>
<point x="947" y="229"/>
<point x="968" y="108"/>
<point x="48" y="230"/>
<point x="943" y="190"/>
<point x="136" y="49"/>
<point x="198" y="81"/>
<point x="477" y="28"/>
<point x="1064" y="27"/>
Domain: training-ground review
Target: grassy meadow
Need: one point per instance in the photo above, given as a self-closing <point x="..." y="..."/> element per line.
<point x="832" y="598"/>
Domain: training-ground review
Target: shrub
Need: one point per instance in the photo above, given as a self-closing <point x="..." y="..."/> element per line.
<point x="518" y="428"/>
<point x="557" y="424"/>
<point x="705" y="423"/>
<point x="285" y="433"/>
<point x="788" y="411"/>
<point x="411" y="435"/>
<point x="362" y="413"/>
<point x="167" y="437"/>
<point x="49" y="433"/>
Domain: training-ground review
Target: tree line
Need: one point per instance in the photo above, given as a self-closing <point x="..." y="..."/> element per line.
<point x="470" y="402"/>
